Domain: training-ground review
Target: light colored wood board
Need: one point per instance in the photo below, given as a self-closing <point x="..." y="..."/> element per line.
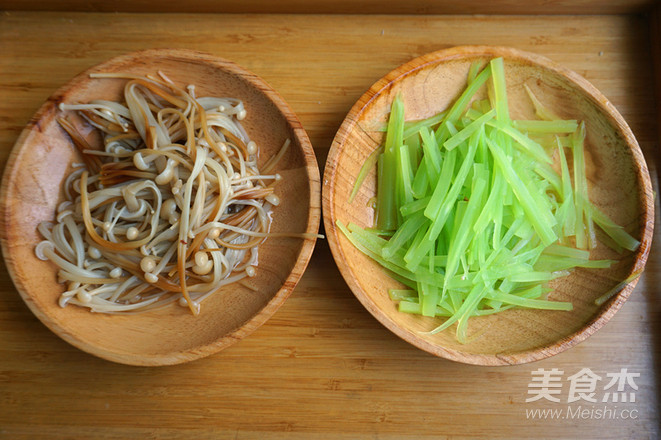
<point x="263" y="44"/>
<point x="341" y="6"/>
<point x="338" y="372"/>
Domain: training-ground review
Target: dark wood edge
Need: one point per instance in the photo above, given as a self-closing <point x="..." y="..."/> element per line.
<point x="655" y="47"/>
<point x="532" y="7"/>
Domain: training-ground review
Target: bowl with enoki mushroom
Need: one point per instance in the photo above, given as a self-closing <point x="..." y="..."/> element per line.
<point x="160" y="207"/>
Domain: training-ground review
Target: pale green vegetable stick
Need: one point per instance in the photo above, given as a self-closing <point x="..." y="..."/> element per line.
<point x="471" y="214"/>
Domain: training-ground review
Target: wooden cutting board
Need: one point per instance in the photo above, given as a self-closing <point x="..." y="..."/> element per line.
<point x="322" y="367"/>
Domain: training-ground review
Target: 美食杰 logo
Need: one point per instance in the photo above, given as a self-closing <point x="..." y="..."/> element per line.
<point x="594" y="396"/>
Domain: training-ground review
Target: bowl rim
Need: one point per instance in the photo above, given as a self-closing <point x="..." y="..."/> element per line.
<point x="605" y="312"/>
<point x="304" y="253"/>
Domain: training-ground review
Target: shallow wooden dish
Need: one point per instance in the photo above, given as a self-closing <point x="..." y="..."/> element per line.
<point x="41" y="159"/>
<point x="619" y="184"/>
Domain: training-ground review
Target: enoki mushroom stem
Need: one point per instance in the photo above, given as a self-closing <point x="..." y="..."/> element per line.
<point x="172" y="208"/>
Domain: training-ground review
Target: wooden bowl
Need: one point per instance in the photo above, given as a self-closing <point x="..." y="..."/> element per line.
<point x="619" y="184"/>
<point x="31" y="190"/>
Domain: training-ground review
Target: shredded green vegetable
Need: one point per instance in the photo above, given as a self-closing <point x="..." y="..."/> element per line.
<point x="471" y="215"/>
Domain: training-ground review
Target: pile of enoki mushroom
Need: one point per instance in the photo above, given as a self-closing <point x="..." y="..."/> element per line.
<point x="172" y="208"/>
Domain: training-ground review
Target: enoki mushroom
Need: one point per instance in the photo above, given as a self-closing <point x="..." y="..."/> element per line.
<point x="171" y="209"/>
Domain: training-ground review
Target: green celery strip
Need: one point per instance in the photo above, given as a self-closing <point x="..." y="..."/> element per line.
<point x="412" y="128"/>
<point x="386" y="217"/>
<point x="548" y="173"/>
<point x="362" y="244"/>
<point x="553" y="263"/>
<point x="529" y="206"/>
<point x="568" y="207"/>
<point x="415" y="152"/>
<point x="439" y="212"/>
<point x="403" y="295"/>
<point x="542" y="111"/>
<point x="404" y="233"/>
<point x="499" y="87"/>
<point x="450" y="128"/>
<point x="428" y="299"/>
<point x="580" y="189"/>
<point x="473" y="298"/>
<point x="523" y="142"/>
<point x="364" y="171"/>
<point x="439" y="208"/>
<point x="526" y="144"/>
<point x="372" y="246"/>
<point x="421" y="180"/>
<point x="519" y="301"/>
<point x="386" y="209"/>
<point x="441" y="189"/>
<point x="414" y="206"/>
<point x="529" y="255"/>
<point x="473" y="70"/>
<point x="466" y="132"/>
<point x="464" y="99"/>
<point x="432" y="154"/>
<point x="614" y="231"/>
<point x="618" y="288"/>
<point x="462" y="237"/>
<point x="381" y="233"/>
<point x="510" y="272"/>
<point x="558" y="250"/>
<point x="406" y="174"/>
<point x="543" y="127"/>
<point x="416" y="308"/>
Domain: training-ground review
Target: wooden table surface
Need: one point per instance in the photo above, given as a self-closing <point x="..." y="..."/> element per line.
<point x="322" y="367"/>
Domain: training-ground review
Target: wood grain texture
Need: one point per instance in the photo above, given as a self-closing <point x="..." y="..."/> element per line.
<point x="619" y="185"/>
<point x="322" y="367"/>
<point x="340" y="6"/>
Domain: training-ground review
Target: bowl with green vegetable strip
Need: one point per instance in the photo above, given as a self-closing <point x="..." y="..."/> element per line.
<point x="487" y="205"/>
